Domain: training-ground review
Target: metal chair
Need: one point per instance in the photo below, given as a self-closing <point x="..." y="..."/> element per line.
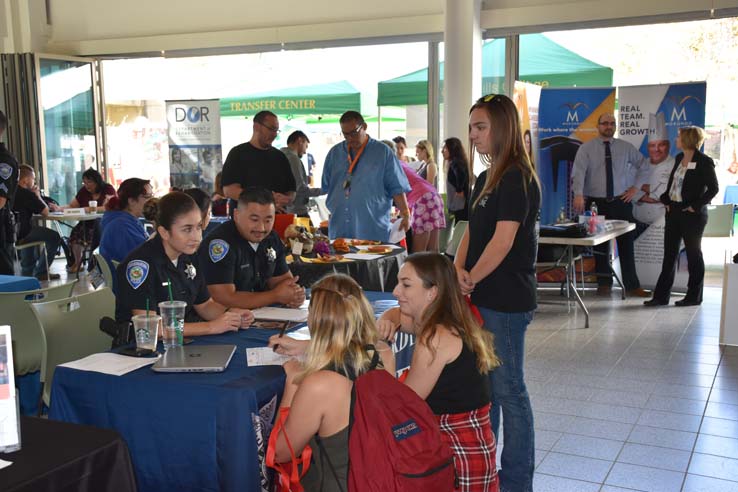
<point x="42" y="250"/>
<point x="71" y="330"/>
<point x="28" y="343"/>
<point x="456" y="235"/>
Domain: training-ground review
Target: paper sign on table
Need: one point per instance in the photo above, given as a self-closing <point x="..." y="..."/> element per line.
<point x="109" y="363"/>
<point x="281" y="314"/>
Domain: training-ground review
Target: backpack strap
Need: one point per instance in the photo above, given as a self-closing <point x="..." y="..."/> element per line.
<point x="324" y="453"/>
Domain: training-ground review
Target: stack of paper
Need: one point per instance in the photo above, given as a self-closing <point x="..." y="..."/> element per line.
<point x="265" y="356"/>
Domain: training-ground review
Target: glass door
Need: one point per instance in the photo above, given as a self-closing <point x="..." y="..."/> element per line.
<point x="69" y="124"/>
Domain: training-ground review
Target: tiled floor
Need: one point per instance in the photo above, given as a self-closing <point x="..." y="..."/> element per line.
<point x="645" y="399"/>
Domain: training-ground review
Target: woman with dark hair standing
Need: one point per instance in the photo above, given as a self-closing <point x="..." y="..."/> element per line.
<point x="457" y="178"/>
<point x="121" y="228"/>
<point x="496" y="264"/>
<point x="88" y="231"/>
<point x="692" y="185"/>
<point x="166" y="266"/>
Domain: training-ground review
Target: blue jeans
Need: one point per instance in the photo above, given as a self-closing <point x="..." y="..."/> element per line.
<point x="508" y="392"/>
<point x="31" y="261"/>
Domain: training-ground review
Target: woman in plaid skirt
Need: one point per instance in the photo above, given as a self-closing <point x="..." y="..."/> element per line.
<point x="451" y="358"/>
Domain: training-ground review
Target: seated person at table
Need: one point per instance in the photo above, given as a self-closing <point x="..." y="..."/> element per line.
<point x="203" y="203"/>
<point x="341" y="325"/>
<point x="87" y="232"/>
<point x="243" y="260"/>
<point x="451" y="359"/>
<point x="27" y="202"/>
<point x="166" y="267"/>
<point x="122" y="231"/>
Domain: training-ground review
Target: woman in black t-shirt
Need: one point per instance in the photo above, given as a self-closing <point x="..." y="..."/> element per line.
<point x="495" y="263"/>
<point x="452" y="357"/>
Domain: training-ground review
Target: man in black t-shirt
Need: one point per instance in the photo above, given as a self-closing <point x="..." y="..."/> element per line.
<point x="244" y="260"/>
<point x="8" y="185"/>
<point x="259" y="165"/>
<point x="28" y="202"/>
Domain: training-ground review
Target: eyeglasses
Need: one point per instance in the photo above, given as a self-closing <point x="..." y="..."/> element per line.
<point x="353" y="132"/>
<point x="606" y="123"/>
<point x="275" y="130"/>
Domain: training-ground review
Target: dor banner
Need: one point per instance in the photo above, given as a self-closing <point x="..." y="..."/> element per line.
<point x="567" y="118"/>
<point x="649" y="118"/>
<point x="195" y="154"/>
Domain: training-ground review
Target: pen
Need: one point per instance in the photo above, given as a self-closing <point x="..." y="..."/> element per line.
<point x="281" y="334"/>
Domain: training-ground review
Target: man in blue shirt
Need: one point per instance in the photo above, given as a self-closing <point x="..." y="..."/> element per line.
<point x="362" y="177"/>
<point x="604" y="172"/>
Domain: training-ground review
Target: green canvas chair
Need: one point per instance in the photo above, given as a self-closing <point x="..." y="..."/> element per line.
<point x="456" y="235"/>
<point x="28" y="342"/>
<point x="71" y="329"/>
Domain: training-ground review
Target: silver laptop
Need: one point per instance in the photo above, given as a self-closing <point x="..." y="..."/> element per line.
<point x="196" y="358"/>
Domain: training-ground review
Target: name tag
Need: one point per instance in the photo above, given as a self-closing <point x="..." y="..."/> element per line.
<point x="692" y="165"/>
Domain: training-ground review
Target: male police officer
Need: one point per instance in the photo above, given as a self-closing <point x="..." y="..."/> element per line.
<point x="244" y="259"/>
<point x="8" y="185"/>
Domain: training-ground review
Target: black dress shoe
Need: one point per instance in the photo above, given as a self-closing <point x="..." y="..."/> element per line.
<point x="687" y="302"/>
<point x="655" y="302"/>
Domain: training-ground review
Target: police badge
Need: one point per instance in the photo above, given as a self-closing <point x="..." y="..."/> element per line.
<point x="271" y="254"/>
<point x="191" y="271"/>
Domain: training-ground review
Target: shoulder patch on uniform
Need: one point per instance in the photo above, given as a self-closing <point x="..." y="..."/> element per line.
<point x="217" y="249"/>
<point x="136" y="273"/>
<point x="6" y="170"/>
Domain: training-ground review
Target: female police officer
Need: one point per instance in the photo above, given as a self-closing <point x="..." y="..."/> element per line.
<point x="168" y="263"/>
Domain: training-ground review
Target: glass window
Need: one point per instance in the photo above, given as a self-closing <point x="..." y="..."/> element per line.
<point x="66" y="98"/>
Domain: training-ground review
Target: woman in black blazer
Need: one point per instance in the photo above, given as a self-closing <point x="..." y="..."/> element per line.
<point x="692" y="185"/>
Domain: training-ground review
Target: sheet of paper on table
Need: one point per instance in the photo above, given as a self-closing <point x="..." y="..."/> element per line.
<point x="109" y="363"/>
<point x="362" y="256"/>
<point x="4" y="463"/>
<point x="396" y="233"/>
<point x="300" y="334"/>
<point x="281" y="314"/>
<point x="265" y="356"/>
<point x="367" y="246"/>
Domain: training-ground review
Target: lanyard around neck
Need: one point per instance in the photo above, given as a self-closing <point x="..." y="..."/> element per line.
<point x="352" y="163"/>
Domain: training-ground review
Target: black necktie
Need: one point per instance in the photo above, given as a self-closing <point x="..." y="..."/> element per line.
<point x="608" y="169"/>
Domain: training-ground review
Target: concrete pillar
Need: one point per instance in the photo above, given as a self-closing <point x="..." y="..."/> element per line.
<point x="462" y="65"/>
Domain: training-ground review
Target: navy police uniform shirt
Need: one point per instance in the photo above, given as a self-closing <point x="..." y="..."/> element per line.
<point x="8" y="174"/>
<point x="228" y="258"/>
<point x="145" y="275"/>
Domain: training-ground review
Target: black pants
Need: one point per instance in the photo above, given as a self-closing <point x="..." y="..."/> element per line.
<point x="616" y="209"/>
<point x="687" y="226"/>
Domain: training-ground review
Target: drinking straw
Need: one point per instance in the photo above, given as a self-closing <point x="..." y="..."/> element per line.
<point x="169" y="287"/>
<point x="147" y="307"/>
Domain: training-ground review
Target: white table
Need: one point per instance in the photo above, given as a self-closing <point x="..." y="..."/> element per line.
<point x="58" y="218"/>
<point x="590" y="241"/>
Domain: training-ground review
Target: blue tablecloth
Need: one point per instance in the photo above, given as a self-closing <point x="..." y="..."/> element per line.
<point x="185" y="432"/>
<point x="16" y="283"/>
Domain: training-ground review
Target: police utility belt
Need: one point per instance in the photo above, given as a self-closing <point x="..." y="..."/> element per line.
<point x="9" y="225"/>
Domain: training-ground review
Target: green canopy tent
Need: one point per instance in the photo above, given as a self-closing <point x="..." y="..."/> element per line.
<point x="332" y="98"/>
<point x="542" y="62"/>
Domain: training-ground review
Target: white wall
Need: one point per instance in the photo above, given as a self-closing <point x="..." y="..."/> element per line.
<point x="89" y="27"/>
<point x="23" y="26"/>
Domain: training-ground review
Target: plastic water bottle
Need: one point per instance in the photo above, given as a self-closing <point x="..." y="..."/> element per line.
<point x="593" y="208"/>
<point x="592" y="226"/>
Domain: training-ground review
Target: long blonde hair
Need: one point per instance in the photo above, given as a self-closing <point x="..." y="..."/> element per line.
<point x="507" y="149"/>
<point x="342" y="324"/>
<point x="428" y="147"/>
<point x="450" y="309"/>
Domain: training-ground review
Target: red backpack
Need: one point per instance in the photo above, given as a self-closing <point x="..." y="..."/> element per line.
<point x="395" y="441"/>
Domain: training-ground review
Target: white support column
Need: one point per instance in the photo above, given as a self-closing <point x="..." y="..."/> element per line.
<point x="462" y="65"/>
